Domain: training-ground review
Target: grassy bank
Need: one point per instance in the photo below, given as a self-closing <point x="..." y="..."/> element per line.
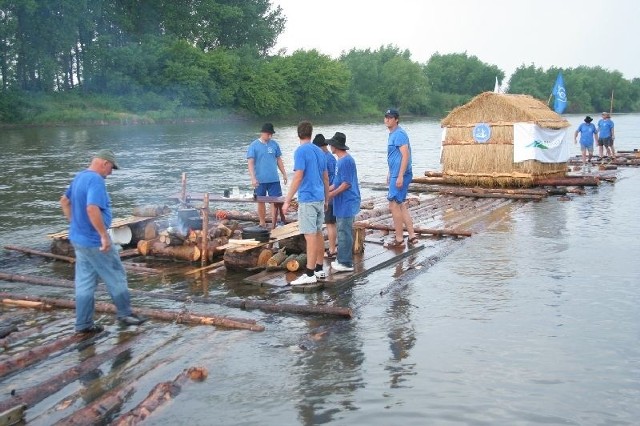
<point x="19" y="109"/>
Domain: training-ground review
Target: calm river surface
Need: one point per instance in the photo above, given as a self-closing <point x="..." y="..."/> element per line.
<point x="533" y="321"/>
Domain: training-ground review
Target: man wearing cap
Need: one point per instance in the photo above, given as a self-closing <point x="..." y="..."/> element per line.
<point x="399" y="178"/>
<point x="606" y="135"/>
<point x="345" y="193"/>
<point x="311" y="182"/>
<point x="329" y="218"/>
<point x="87" y="207"/>
<point x="588" y="135"/>
<point x="265" y="158"/>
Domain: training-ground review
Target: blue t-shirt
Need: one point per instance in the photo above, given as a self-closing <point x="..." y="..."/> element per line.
<point x="587" y="130"/>
<point x="347" y="203"/>
<point x="397" y="138"/>
<point x="88" y="187"/>
<point x="265" y="156"/>
<point x="331" y="166"/>
<point x="604" y="128"/>
<point x="312" y="161"/>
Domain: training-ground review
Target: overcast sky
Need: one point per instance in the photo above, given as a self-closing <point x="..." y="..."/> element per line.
<point x="506" y="33"/>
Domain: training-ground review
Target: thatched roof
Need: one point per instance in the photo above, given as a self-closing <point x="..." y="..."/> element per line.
<point x="501" y="109"/>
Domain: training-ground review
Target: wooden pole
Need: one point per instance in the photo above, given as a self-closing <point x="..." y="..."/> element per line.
<point x="178" y="317"/>
<point x="204" y="258"/>
<point x="34" y="394"/>
<point x="40" y="253"/>
<point x="183" y="189"/>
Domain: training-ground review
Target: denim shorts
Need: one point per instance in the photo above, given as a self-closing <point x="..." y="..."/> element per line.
<point x="273" y="189"/>
<point x="329" y="217"/>
<point x="311" y="217"/>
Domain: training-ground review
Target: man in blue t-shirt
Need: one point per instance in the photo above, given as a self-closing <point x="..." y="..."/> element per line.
<point x="264" y="159"/>
<point x="345" y="193"/>
<point x="87" y="207"/>
<point x="311" y="182"/>
<point x="399" y="178"/>
<point x="606" y="135"/>
<point x="329" y="218"/>
<point x="588" y="135"/>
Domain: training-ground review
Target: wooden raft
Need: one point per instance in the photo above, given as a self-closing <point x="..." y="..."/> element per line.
<point x="375" y="257"/>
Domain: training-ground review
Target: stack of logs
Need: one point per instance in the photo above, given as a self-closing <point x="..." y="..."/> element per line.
<point x="172" y="243"/>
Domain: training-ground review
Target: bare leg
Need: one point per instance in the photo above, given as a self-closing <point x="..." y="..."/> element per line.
<point x="315" y="246"/>
<point x="584" y="155"/>
<point x="262" y="213"/>
<point x="397" y="216"/>
<point x="600" y="150"/>
<point x="319" y="257"/>
<point x="332" y="235"/>
<point x="408" y="221"/>
<point x="283" y="217"/>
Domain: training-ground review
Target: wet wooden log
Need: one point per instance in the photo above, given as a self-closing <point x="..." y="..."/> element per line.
<point x="158" y="249"/>
<point x="34" y="394"/>
<point x="568" y="181"/>
<point x="171" y="316"/>
<point x="264" y="256"/>
<point x="31" y="356"/>
<point x="461" y="192"/>
<point x="98" y="410"/>
<point x="13" y="416"/>
<point x="40" y="253"/>
<point x="211" y="266"/>
<point x="160" y="395"/>
<point x="295" y="264"/>
<point x="6" y="330"/>
<point x="417" y="230"/>
<point x="26" y="304"/>
<point x="242" y="304"/>
<point x="22" y="334"/>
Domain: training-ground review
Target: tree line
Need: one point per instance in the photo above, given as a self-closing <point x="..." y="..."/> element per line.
<point x="202" y="55"/>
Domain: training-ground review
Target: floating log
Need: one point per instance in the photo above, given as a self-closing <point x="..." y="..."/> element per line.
<point x="178" y="317"/>
<point x="431" y="180"/>
<point x="159" y="249"/>
<point x="430" y="173"/>
<point x="211" y="266"/>
<point x="417" y="230"/>
<point x="242" y="304"/>
<point x="31" y="356"/>
<point x="7" y="330"/>
<point x="40" y="253"/>
<point x="481" y="194"/>
<point x="97" y="410"/>
<point x="160" y="395"/>
<point x="34" y="394"/>
<point x="26" y="304"/>
<point x="568" y="181"/>
<point x="19" y="335"/>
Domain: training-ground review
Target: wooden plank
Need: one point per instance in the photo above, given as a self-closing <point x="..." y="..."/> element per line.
<point x="13" y="416"/>
<point x="287" y="231"/>
<point x="116" y="223"/>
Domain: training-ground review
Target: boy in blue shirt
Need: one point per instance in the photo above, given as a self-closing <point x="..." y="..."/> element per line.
<point x="588" y="135"/>
<point x="606" y="135"/>
<point x="345" y="193"/>
<point x="311" y="182"/>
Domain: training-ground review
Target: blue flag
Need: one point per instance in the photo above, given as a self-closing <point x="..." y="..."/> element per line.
<point x="560" y="95"/>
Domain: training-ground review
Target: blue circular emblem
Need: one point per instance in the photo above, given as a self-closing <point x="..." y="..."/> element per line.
<point x="481" y="132"/>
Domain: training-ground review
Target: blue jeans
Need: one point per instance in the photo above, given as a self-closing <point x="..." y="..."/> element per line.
<point x="344" y="226"/>
<point x="92" y="264"/>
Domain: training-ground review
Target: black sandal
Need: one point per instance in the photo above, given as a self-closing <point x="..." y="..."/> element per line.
<point x="395" y="244"/>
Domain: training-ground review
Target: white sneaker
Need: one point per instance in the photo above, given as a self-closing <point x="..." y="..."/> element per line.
<point x="338" y="267"/>
<point x="304" y="279"/>
<point x="321" y="275"/>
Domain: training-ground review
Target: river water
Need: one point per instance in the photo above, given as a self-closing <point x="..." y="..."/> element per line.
<point x="533" y="321"/>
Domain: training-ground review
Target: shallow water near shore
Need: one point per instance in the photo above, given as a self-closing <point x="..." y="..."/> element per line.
<point x="534" y="320"/>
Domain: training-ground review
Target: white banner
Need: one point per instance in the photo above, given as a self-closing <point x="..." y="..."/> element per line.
<point x="532" y="142"/>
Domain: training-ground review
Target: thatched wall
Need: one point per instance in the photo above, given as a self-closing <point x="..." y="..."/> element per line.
<point x="491" y="164"/>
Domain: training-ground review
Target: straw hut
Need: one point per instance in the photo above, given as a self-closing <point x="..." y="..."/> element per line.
<point x="478" y="141"/>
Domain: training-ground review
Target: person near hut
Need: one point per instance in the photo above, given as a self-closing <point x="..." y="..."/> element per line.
<point x="398" y="178"/>
<point x="264" y="158"/>
<point x="329" y="218"/>
<point x="311" y="182"/>
<point x="606" y="135"/>
<point x="87" y="207"/>
<point x="345" y="194"/>
<point x="588" y="136"/>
